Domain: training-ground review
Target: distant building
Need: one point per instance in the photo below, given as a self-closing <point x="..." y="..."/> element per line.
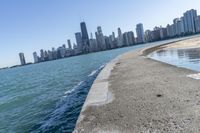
<point x="119" y="38"/>
<point x="156" y="34"/>
<point x="69" y="44"/>
<point x="197" y="24"/>
<point x="78" y="42"/>
<point x="42" y="55"/>
<point x="22" y="59"/>
<point x="170" y="31"/>
<point x="85" y="38"/>
<point x="131" y="38"/>
<point x="140" y="33"/>
<point x="35" y="57"/>
<point x="100" y="39"/>
<point x="163" y="33"/>
<point x="189" y="21"/>
<point x="148" y="36"/>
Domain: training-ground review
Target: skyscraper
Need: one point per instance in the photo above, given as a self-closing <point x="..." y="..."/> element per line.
<point x="85" y="38"/>
<point x="189" y="21"/>
<point x="35" y="57"/>
<point x="79" y="42"/>
<point x="119" y="38"/>
<point x="100" y="39"/>
<point x="84" y="31"/>
<point x="197" y="24"/>
<point x="69" y="44"/>
<point x="22" y="59"/>
<point x="131" y="38"/>
<point x="140" y="33"/>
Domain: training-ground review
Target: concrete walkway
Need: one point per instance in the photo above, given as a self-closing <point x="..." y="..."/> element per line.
<point x="147" y="97"/>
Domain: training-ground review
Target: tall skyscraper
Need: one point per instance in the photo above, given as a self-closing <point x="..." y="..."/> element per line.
<point x="140" y="33"/>
<point x="69" y="44"/>
<point x="22" y="59"/>
<point x="35" y="57"/>
<point x="197" y="24"/>
<point x="189" y="21"/>
<point x="78" y="42"/>
<point x="42" y="56"/>
<point x="119" y="38"/>
<point x="84" y="31"/>
<point x="100" y="39"/>
<point x="85" y="38"/>
<point x="131" y="38"/>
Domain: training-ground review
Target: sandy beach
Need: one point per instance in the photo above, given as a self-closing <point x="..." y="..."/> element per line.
<point x="147" y="96"/>
<point x="190" y="43"/>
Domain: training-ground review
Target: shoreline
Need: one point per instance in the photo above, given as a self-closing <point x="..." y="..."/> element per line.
<point x="100" y="93"/>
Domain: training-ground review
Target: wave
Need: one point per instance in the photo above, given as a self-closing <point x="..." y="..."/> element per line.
<point x="63" y="118"/>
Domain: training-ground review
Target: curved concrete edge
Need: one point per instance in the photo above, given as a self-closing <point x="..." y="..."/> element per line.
<point x="99" y="93"/>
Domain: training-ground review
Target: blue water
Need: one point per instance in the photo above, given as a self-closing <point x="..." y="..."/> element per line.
<point x="186" y="58"/>
<point x="48" y="97"/>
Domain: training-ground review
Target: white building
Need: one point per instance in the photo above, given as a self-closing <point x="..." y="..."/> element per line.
<point x="140" y="33"/>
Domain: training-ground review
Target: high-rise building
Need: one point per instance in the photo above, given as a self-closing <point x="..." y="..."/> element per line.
<point x="79" y="42"/>
<point x="125" y="39"/>
<point x="148" y="36"/>
<point x="170" y="31"/>
<point x="85" y="38"/>
<point x="197" y="24"/>
<point x="119" y="38"/>
<point x="131" y="38"/>
<point x="35" y="57"/>
<point x="22" y="59"/>
<point x="156" y="34"/>
<point x="84" y="31"/>
<point x="128" y="38"/>
<point x="177" y="27"/>
<point x="69" y="44"/>
<point x="100" y="39"/>
<point x="163" y="33"/>
<point x="140" y="33"/>
<point x="182" y="26"/>
<point x="42" y="56"/>
<point x="189" y="21"/>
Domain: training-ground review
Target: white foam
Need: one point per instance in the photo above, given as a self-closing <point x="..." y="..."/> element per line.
<point x="92" y="73"/>
<point x="194" y="76"/>
<point x="72" y="90"/>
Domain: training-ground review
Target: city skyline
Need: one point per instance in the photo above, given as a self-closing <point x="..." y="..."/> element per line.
<point x="188" y="24"/>
<point x="28" y="42"/>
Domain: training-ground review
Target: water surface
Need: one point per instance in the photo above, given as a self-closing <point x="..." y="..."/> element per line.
<point x="186" y="58"/>
<point x="48" y="97"/>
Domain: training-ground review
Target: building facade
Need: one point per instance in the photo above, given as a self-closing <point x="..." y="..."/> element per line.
<point x="140" y="33"/>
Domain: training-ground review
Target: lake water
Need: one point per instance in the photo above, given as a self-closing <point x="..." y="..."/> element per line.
<point x="48" y="97"/>
<point x="186" y="58"/>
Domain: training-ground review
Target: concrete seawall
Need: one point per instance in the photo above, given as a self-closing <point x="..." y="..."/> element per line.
<point x="135" y="94"/>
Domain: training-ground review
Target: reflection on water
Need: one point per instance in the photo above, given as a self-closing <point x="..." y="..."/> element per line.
<point x="187" y="58"/>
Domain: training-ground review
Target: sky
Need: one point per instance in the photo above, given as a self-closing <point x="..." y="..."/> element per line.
<point x="30" y="25"/>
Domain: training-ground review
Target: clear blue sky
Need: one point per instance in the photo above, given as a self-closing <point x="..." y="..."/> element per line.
<point x="30" y="25"/>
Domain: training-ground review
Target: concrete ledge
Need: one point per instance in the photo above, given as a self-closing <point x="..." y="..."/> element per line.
<point x="147" y="96"/>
